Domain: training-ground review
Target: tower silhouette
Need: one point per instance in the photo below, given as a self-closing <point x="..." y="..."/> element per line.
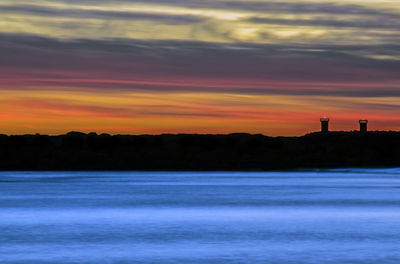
<point x="324" y="124"/>
<point x="363" y="125"/>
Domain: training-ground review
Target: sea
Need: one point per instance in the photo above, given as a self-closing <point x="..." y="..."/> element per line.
<point x="318" y="216"/>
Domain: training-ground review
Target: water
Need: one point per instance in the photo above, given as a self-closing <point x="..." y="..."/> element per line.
<point x="338" y="216"/>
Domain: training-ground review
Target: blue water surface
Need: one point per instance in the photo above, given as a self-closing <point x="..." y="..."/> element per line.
<point x="337" y="216"/>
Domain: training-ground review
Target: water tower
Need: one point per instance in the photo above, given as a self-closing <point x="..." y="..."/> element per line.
<point x="363" y="125"/>
<point x="324" y="124"/>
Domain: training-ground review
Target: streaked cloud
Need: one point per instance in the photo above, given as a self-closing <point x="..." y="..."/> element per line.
<point x="192" y="66"/>
<point x="346" y="22"/>
<point x="98" y="14"/>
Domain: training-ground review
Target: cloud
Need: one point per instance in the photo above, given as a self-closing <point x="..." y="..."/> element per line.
<point x="362" y="15"/>
<point x="298" y="7"/>
<point x="365" y="23"/>
<point x="166" y="66"/>
<point x="210" y="21"/>
<point x="100" y="14"/>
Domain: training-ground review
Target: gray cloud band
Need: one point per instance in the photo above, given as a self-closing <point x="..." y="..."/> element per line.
<point x="322" y="68"/>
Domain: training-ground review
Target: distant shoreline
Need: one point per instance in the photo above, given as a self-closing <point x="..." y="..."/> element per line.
<point x="77" y="151"/>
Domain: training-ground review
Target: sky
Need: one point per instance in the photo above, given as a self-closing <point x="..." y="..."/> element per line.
<point x="198" y="66"/>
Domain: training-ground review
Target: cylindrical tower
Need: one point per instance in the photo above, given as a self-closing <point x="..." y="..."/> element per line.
<point x="324" y="124"/>
<point x="363" y="125"/>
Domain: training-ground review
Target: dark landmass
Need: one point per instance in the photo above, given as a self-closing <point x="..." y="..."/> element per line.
<point x="78" y="151"/>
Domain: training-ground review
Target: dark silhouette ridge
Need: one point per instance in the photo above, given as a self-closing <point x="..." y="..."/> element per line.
<point x="79" y="151"/>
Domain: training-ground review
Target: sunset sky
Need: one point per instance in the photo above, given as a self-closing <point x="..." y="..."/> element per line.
<point x="198" y="66"/>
